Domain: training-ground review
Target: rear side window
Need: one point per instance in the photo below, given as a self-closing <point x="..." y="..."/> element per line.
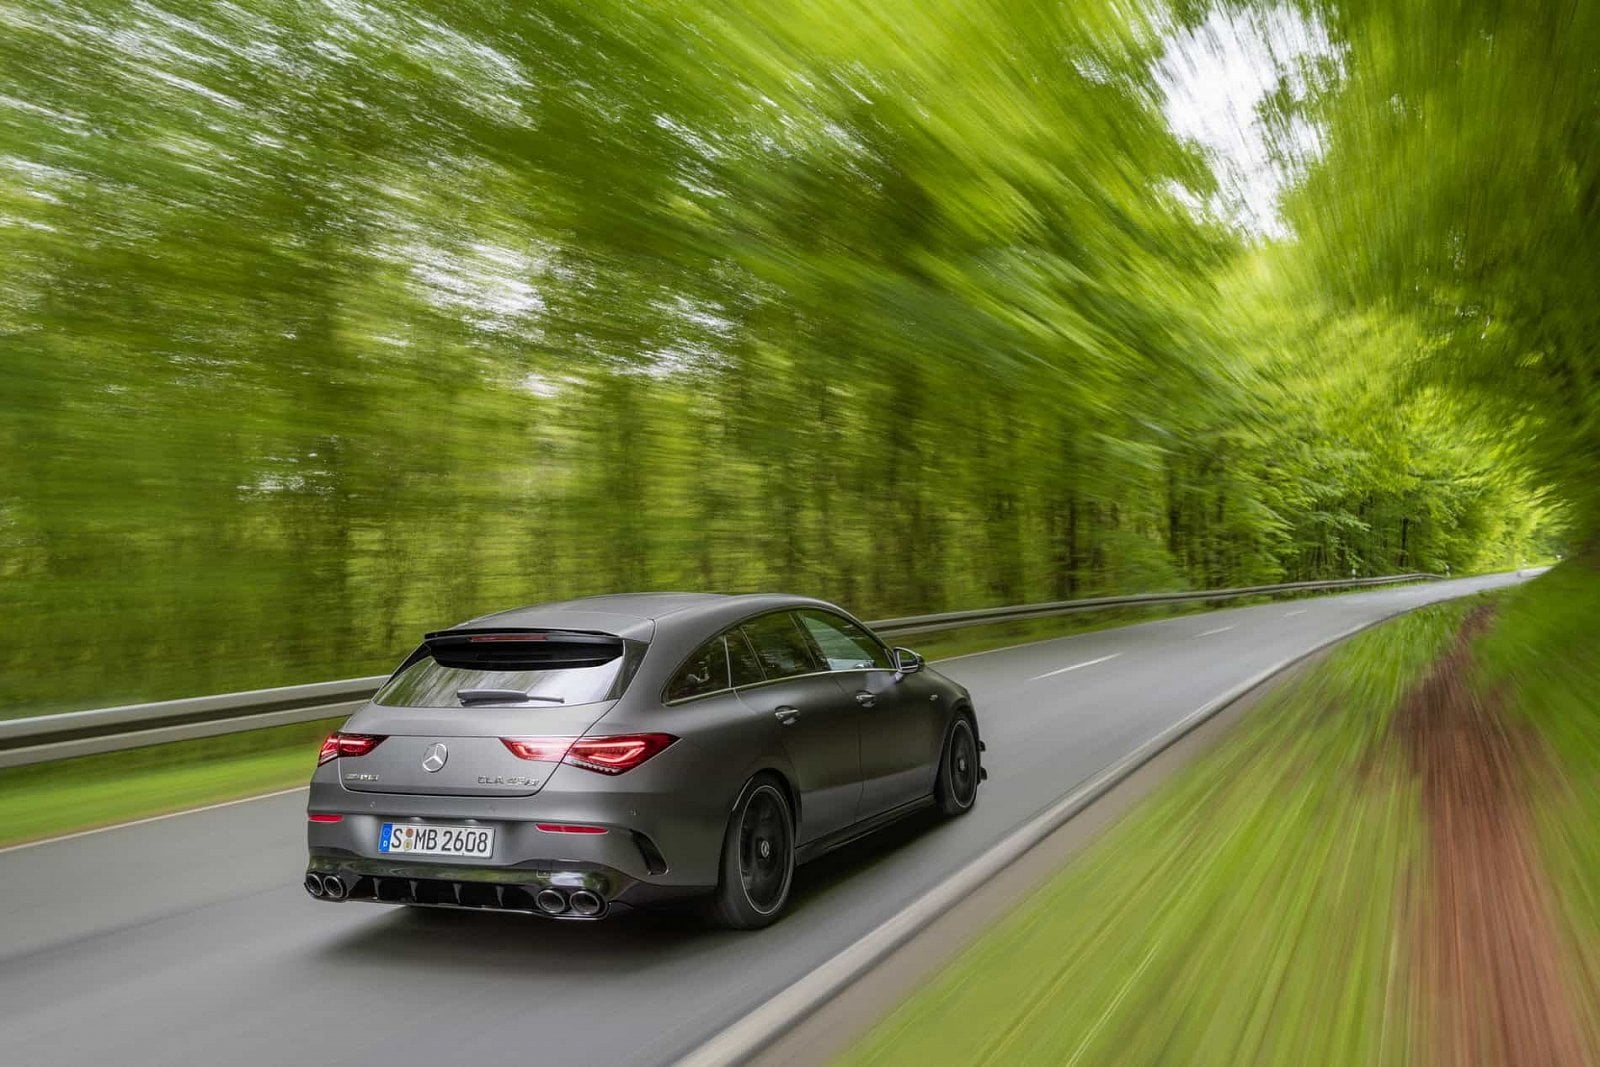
<point x="844" y="645"/>
<point x="725" y="661"/>
<point x="706" y="671"/>
<point x="520" y="670"/>
<point x="742" y="660"/>
<point x="781" y="646"/>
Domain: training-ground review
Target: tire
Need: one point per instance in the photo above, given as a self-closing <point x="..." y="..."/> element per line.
<point x="956" y="788"/>
<point x="757" y="868"/>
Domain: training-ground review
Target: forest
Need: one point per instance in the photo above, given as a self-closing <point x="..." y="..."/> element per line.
<point x="322" y="325"/>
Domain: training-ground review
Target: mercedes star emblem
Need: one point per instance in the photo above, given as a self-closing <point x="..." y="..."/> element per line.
<point x="433" y="759"/>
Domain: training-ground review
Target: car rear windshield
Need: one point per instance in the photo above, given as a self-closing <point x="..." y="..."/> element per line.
<point x="519" y="670"/>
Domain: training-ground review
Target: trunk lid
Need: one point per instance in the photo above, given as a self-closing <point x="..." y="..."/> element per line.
<point x="476" y="763"/>
<point x="444" y="713"/>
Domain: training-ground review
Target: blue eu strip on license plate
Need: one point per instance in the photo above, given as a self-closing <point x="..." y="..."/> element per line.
<point x="383" y="837"/>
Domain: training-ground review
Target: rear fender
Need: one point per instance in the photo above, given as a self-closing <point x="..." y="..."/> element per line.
<point x="774" y="764"/>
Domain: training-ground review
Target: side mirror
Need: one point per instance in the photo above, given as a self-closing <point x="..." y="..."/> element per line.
<point x="906" y="661"/>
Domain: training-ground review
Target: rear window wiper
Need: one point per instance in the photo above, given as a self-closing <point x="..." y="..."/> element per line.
<point x="503" y="696"/>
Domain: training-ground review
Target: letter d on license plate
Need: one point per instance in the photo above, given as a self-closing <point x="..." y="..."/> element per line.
<point x="435" y="839"/>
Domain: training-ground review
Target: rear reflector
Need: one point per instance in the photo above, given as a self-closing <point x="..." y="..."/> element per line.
<point x="323" y="816"/>
<point x="568" y="828"/>
<point x="606" y="755"/>
<point x="339" y="744"/>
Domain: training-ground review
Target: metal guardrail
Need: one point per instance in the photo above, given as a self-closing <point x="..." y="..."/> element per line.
<point x="950" y="620"/>
<point x="42" y="738"/>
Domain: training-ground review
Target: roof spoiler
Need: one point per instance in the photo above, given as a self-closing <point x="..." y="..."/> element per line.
<point x="518" y="649"/>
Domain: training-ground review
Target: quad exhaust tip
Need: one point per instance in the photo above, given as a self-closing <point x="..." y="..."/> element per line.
<point x="326" y="886"/>
<point x="586" y="904"/>
<point x="582" y="903"/>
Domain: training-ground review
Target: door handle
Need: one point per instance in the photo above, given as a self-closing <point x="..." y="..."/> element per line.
<point x="786" y="714"/>
<point x="866" y="699"/>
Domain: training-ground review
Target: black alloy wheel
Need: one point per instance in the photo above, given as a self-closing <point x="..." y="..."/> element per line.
<point x="757" y="860"/>
<point x="959" y="770"/>
<point x="764" y="859"/>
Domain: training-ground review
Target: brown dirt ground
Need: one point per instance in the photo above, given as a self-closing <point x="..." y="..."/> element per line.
<point x="1489" y="962"/>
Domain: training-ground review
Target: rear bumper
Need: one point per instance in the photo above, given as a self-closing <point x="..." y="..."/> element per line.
<point x="656" y="831"/>
<point x="519" y="844"/>
<point x="451" y="885"/>
<point x="649" y="850"/>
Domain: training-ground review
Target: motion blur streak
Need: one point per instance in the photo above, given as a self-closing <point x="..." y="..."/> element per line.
<point x="324" y="325"/>
<point x="235" y="957"/>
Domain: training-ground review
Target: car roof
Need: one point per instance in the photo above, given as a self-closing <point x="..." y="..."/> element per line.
<point x="672" y="624"/>
<point x="635" y="614"/>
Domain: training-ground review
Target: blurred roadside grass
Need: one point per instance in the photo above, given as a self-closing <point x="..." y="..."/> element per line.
<point x="90" y="791"/>
<point x="1250" y="911"/>
<point x="1544" y="657"/>
<point x="79" y="794"/>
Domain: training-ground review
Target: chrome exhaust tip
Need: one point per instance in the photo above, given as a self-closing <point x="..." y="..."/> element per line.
<point x="314" y="884"/>
<point x="586" y="904"/>
<point x="551" y="902"/>
<point x="333" y="887"/>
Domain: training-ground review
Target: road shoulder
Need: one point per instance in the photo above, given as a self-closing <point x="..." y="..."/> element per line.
<point x="837" y="1025"/>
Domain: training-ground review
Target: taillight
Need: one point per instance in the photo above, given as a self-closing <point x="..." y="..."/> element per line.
<point x="542" y="749"/>
<point x="613" y="755"/>
<point x="607" y="755"/>
<point x="339" y="744"/>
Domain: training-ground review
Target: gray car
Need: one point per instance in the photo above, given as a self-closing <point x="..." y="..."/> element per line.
<point x="577" y="758"/>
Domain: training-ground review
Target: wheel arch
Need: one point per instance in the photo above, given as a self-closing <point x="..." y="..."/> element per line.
<point x="790" y="793"/>
<point x="963" y="708"/>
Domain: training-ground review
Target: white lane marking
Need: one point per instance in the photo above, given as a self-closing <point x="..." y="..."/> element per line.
<point x="1075" y="666"/>
<point x="1292" y="614"/>
<point x="1218" y="630"/>
<point x="152" y="818"/>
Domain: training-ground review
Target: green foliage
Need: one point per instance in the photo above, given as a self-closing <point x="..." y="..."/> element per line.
<point x="325" y="326"/>
<point x="1461" y="189"/>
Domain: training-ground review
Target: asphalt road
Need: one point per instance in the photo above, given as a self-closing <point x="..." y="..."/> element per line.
<point x="190" y="941"/>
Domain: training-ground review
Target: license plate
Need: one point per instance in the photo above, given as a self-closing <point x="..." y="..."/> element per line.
<point x="434" y="839"/>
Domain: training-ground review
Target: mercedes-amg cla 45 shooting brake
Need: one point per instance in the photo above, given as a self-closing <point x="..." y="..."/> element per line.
<point x="577" y="758"/>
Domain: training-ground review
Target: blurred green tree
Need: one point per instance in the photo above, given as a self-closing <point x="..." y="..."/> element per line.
<point x="323" y="326"/>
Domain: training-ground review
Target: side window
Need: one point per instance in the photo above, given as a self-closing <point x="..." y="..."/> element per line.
<point x="844" y="645"/>
<point x="742" y="662"/>
<point x="705" y="672"/>
<point x="781" y="646"/>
